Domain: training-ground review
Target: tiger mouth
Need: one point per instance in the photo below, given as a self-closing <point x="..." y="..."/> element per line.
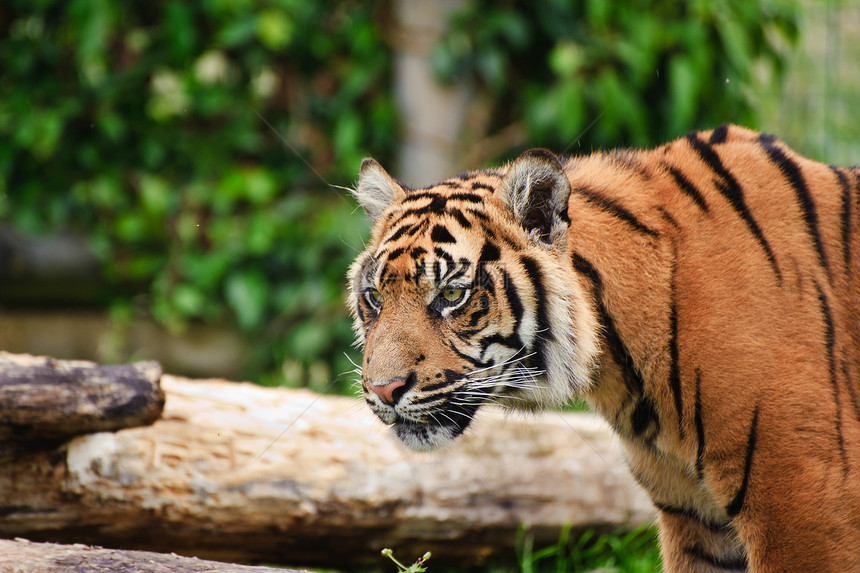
<point x="426" y="436"/>
<point x="435" y="430"/>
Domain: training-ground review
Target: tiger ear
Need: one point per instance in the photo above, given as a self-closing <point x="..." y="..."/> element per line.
<point x="536" y="189"/>
<point x="376" y="189"/>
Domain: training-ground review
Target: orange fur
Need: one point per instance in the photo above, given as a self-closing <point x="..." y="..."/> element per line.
<point x="704" y="297"/>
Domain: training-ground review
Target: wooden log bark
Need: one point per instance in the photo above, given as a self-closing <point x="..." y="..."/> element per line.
<point x="42" y="399"/>
<point x="21" y="555"/>
<point x="240" y="473"/>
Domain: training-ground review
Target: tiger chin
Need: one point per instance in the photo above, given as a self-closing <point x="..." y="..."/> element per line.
<point x="703" y="297"/>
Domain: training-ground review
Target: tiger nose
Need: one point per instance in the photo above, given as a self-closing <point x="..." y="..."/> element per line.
<point x="386" y="391"/>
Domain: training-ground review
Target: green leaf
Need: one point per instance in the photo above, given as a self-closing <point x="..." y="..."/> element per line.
<point x="260" y="185"/>
<point x="274" y="28"/>
<point x="567" y="59"/>
<point x="187" y="299"/>
<point x="156" y="197"/>
<point x="683" y="92"/>
<point x="247" y="293"/>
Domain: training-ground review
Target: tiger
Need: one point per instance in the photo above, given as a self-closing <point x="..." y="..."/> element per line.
<point x="703" y="297"/>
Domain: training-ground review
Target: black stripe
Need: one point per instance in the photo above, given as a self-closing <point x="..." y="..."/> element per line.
<point x="359" y="310"/>
<point x="442" y="254"/>
<point x="474" y="362"/>
<point x="437" y="386"/>
<point x="440" y="234"/>
<point x="688" y="188"/>
<point x="438" y="206"/>
<point x="462" y="414"/>
<point x="668" y="218"/>
<point x="435" y="207"/>
<point x="731" y="190"/>
<point x="845" y="218"/>
<point x="737" y="503"/>
<point x="700" y="429"/>
<point x="478" y="185"/>
<point x="791" y="171"/>
<point x="719" y="134"/>
<point x="544" y="332"/>
<point x="396" y="253"/>
<point x="456" y="311"/>
<point x="714" y="561"/>
<point x="674" y="369"/>
<point x="467" y="197"/>
<point x="830" y="343"/>
<point x="466" y="334"/>
<point x="692" y="514"/>
<point x="536" y="277"/>
<point x="489" y="253"/>
<point x="514" y="342"/>
<point x="420" y="270"/>
<point x="482" y="311"/>
<point x="417" y="252"/>
<point x="458" y="270"/>
<point x="414" y="226"/>
<point x="386" y="273"/>
<point x="433" y="195"/>
<point x="403" y="229"/>
<point x="478" y="215"/>
<point x="632" y="379"/>
<point x="613" y="208"/>
<point x="643" y="417"/>
<point x="513" y="300"/>
<point x="457" y="214"/>
<point x="485" y="279"/>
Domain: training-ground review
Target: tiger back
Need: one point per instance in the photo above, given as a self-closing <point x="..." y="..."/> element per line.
<point x="703" y="297"/>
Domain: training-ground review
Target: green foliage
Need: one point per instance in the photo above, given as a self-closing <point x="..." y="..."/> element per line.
<point x="145" y="125"/>
<point x="628" y="552"/>
<point x="156" y="129"/>
<point x="643" y="72"/>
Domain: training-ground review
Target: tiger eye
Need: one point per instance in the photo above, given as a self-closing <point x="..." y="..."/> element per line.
<point x="375" y="296"/>
<point x="452" y="294"/>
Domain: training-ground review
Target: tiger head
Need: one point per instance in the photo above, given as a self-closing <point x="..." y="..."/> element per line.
<point x="464" y="297"/>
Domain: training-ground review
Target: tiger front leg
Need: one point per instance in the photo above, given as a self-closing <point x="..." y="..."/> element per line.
<point x="802" y="520"/>
<point x="690" y="545"/>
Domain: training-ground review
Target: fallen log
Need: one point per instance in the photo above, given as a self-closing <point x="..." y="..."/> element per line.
<point x="241" y="473"/>
<point x="42" y="399"/>
<point x="24" y="556"/>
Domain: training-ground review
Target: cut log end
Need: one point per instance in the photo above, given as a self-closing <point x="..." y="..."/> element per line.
<point x="48" y="400"/>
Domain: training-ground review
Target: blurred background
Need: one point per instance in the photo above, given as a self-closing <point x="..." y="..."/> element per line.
<point x="173" y="174"/>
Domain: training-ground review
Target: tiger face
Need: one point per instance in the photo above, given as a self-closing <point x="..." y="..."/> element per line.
<point x="460" y="299"/>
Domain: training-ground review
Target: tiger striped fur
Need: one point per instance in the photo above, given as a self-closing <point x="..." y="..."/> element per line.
<point x="703" y="297"/>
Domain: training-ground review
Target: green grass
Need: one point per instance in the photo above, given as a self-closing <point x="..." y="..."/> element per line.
<point x="623" y="551"/>
<point x="628" y="551"/>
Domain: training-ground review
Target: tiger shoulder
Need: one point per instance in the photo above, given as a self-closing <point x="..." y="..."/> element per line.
<point x="702" y="296"/>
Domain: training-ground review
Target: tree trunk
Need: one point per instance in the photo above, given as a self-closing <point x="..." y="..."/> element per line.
<point x="237" y="472"/>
